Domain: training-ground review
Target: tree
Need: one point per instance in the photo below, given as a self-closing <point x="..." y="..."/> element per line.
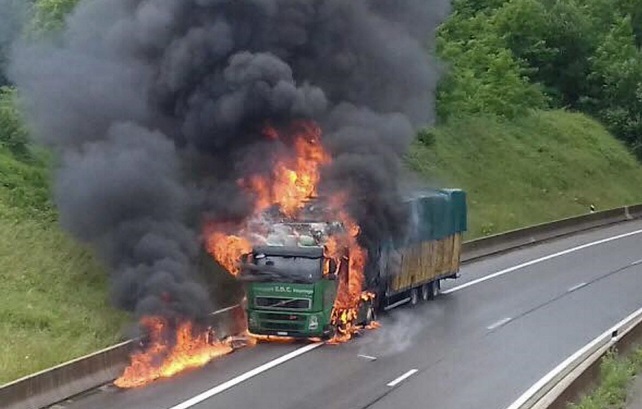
<point x="617" y="83"/>
<point x="554" y="41"/>
<point x="483" y="76"/>
<point x="13" y="136"/>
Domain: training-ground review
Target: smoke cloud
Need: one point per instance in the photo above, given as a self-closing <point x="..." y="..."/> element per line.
<point x="13" y="14"/>
<point x="155" y="108"/>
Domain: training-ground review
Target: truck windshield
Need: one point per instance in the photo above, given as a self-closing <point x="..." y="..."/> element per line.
<point x="279" y="268"/>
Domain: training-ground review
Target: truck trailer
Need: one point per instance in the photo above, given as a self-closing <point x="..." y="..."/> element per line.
<point x="291" y="285"/>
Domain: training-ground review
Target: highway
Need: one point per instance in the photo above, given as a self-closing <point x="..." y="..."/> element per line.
<point x="478" y="346"/>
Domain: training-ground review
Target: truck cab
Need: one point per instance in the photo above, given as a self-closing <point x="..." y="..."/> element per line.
<point x="290" y="291"/>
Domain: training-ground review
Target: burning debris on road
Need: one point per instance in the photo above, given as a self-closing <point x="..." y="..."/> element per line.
<point x="170" y="351"/>
<point x="180" y="123"/>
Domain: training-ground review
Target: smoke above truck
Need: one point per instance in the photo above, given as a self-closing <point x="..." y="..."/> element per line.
<point x="176" y="122"/>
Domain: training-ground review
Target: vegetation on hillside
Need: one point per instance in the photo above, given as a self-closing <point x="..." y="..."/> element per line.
<point x="509" y="56"/>
<point x="535" y="168"/>
<point x="514" y="68"/>
<point x="616" y="375"/>
<point x="53" y="299"/>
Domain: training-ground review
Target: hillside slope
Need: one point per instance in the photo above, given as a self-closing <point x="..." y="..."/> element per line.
<point x="53" y="300"/>
<point x="544" y="166"/>
<point x="54" y="303"/>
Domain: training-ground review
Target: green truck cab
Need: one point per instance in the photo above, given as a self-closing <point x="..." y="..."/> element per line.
<point x="290" y="292"/>
<point x="287" y="292"/>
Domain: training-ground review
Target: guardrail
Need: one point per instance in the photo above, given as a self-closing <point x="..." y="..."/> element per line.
<point x="566" y="382"/>
<point x="88" y="372"/>
<point x="510" y="240"/>
<point x="72" y="378"/>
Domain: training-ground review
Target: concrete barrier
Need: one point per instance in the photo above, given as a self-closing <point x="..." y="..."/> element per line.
<point x="580" y="372"/>
<point x="499" y="243"/>
<point x="79" y="375"/>
<point x="66" y="380"/>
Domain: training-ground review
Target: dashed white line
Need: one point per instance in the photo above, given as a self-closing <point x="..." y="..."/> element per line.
<point x="244" y="377"/>
<point x="498" y="324"/>
<point x="371" y="358"/>
<point x="539" y="260"/>
<point x="269" y="365"/>
<point x="576" y="287"/>
<point x="402" y="378"/>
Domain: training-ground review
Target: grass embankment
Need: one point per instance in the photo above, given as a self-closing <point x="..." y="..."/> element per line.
<point x="53" y="300"/>
<point x="616" y="376"/>
<point x="530" y="170"/>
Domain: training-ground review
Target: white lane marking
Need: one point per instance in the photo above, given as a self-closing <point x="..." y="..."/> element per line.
<point x="402" y="378"/>
<point x="498" y="324"/>
<point x="568" y="361"/>
<point x="539" y="260"/>
<point x="244" y="377"/>
<point x="269" y="365"/>
<point x="371" y="358"/>
<point x="576" y="287"/>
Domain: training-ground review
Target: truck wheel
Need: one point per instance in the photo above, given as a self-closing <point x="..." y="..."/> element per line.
<point x="328" y="334"/>
<point x="425" y="292"/>
<point x="414" y="297"/>
<point x="434" y="289"/>
<point x="371" y="315"/>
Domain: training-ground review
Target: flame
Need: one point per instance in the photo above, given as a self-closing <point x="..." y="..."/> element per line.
<point x="295" y="178"/>
<point x="228" y="249"/>
<point x="164" y="357"/>
<point x="350" y="293"/>
<point x="292" y="181"/>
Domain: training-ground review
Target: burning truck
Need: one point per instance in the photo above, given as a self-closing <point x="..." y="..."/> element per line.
<point x="294" y="281"/>
<point x="211" y="124"/>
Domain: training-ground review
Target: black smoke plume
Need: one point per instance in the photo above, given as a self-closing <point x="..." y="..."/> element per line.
<point x="155" y="108"/>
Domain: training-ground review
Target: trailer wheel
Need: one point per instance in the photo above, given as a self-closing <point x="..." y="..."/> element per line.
<point x="434" y="289"/>
<point x="414" y="297"/>
<point x="425" y="292"/>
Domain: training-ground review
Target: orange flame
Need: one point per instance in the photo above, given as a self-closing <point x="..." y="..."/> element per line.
<point x="228" y="249"/>
<point x="350" y="293"/>
<point x="164" y="358"/>
<point x="293" y="179"/>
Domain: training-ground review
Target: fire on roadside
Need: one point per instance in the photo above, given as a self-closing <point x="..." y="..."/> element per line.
<point x="294" y="179"/>
<point x="169" y="352"/>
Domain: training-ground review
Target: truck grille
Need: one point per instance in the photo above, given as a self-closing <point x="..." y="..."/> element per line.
<point x="282" y="303"/>
<point x="282" y="326"/>
<point x="281" y="317"/>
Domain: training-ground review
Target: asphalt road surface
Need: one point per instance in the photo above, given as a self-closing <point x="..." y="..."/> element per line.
<point x="478" y="346"/>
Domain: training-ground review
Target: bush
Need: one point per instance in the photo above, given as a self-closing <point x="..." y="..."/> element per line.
<point x="13" y="136"/>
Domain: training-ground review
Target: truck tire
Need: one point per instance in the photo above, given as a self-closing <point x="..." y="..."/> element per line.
<point x="414" y="297"/>
<point x="369" y="313"/>
<point x="425" y="292"/>
<point x="329" y="333"/>
<point x="434" y="289"/>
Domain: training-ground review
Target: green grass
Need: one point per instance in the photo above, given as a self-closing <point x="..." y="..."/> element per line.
<point x="538" y="168"/>
<point x="616" y="376"/>
<point x="53" y="300"/>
